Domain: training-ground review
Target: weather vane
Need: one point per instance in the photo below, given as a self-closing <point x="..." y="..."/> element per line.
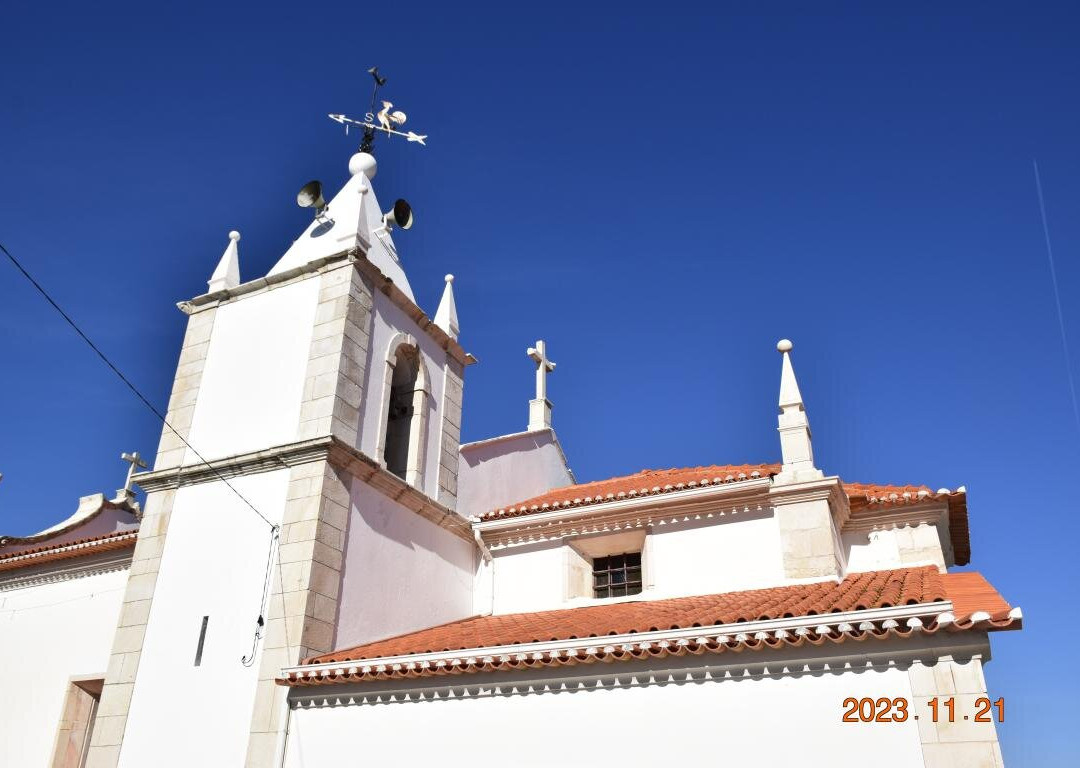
<point x="384" y="120"/>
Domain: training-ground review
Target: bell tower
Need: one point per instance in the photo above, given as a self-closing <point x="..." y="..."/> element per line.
<point x="310" y="464"/>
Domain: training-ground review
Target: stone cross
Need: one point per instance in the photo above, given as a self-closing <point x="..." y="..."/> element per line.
<point x="135" y="461"/>
<point x="540" y="407"/>
<point x="543" y="368"/>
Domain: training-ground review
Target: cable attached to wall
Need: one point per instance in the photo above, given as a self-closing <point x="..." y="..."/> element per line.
<point x="260" y="623"/>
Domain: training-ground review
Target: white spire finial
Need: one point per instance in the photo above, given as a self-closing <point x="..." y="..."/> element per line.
<point x="227" y="274"/>
<point x="446" y="315"/>
<point x="540" y="406"/>
<point x="789" y="387"/>
<point x="794" y="427"/>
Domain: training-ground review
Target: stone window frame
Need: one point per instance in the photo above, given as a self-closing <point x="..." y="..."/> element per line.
<point x="414" y="471"/>
<point x="581" y="551"/>
<point x="84" y="687"/>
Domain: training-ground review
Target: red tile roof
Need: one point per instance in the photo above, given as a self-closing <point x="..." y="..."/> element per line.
<point x="645" y="482"/>
<point x="32" y="556"/>
<point x="969" y="592"/>
<point x="651" y="482"/>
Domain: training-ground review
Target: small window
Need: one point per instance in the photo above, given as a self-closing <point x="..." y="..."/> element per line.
<point x="617" y="575"/>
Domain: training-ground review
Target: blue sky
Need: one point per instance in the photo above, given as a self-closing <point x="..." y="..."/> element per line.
<point x="660" y="192"/>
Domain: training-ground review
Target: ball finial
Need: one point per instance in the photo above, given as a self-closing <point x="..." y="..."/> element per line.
<point x="234" y="235"/>
<point x="784" y="345"/>
<point x="449" y="278"/>
<point x="364" y="163"/>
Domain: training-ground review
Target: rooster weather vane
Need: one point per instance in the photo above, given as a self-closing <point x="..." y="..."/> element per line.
<point x="384" y="120"/>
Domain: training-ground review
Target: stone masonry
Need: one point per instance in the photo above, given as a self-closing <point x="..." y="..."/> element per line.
<point x="807" y="529"/>
<point x="115" y="701"/>
<point x="451" y="433"/>
<point x="302" y="614"/>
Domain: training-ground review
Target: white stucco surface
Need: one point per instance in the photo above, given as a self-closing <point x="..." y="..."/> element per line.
<point x="531" y="578"/>
<point x="499" y="472"/>
<point x="213" y="565"/>
<point x="763" y="721"/>
<point x="50" y="633"/>
<point x="900" y="547"/>
<point x="726" y="554"/>
<point x="735" y="552"/>
<point x="253" y="381"/>
<point x="402" y="573"/>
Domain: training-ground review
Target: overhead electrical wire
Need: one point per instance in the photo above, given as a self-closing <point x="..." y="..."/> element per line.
<point x="1057" y="295"/>
<point x="275" y="530"/>
<point x="127" y="381"/>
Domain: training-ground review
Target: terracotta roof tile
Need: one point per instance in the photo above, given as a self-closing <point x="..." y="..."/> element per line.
<point x="975" y="605"/>
<point x="33" y="556"/>
<point x="650" y="482"/>
<point x="861" y="591"/>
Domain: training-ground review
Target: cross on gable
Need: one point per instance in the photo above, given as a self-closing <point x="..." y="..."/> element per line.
<point x="134" y="461"/>
<point x="544" y="366"/>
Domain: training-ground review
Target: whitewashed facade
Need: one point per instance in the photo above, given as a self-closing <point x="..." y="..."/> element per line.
<point x="324" y="574"/>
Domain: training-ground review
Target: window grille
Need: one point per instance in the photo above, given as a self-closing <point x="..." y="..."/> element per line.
<point x="617" y="575"/>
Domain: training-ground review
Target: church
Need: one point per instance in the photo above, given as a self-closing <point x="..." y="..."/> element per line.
<point x="322" y="574"/>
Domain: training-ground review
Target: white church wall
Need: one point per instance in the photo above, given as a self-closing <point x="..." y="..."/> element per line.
<point x="765" y="720"/>
<point x="530" y="578"/>
<point x="388" y="321"/>
<point x="214" y="565"/>
<point x="50" y="633"/>
<point x="899" y="547"/>
<point x="740" y="551"/>
<point x="402" y="572"/>
<point x="499" y="472"/>
<point x="253" y="380"/>
<point x="726" y="554"/>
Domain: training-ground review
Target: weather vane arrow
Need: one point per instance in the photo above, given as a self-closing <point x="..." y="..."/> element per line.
<point x="384" y="120"/>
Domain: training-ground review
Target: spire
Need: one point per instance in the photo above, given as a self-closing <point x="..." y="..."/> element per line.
<point x="352" y="219"/>
<point x="794" y="427"/>
<point x="227" y="274"/>
<point x="446" y="315"/>
<point x="540" y="406"/>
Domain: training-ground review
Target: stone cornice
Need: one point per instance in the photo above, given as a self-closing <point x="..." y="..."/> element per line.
<point x="903" y="621"/>
<point x="52" y="572"/>
<point x="876" y="518"/>
<point x="354" y="257"/>
<point x="813" y="658"/>
<point x="637" y="510"/>
<point x="829" y="489"/>
<point x="328" y="448"/>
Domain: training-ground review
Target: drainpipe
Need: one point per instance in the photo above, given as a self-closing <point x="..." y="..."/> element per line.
<point x="483" y="547"/>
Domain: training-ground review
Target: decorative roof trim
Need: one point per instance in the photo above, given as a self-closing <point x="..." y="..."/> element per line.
<point x="355" y="257"/>
<point x="98" y="544"/>
<point x="881" y="623"/>
<point x="123" y="501"/>
<point x="868" y="519"/>
<point x="328" y="448"/>
<point x="862" y="498"/>
<point x="684" y="496"/>
<point x="606" y="521"/>
<point x="83" y="567"/>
